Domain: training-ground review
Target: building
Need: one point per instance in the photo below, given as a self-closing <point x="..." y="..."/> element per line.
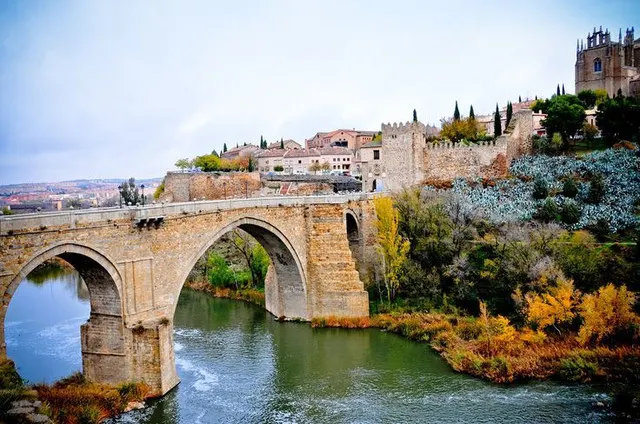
<point x="606" y="64"/>
<point x="351" y="139"/>
<point x="288" y="144"/>
<point x="240" y="151"/>
<point x="298" y="161"/>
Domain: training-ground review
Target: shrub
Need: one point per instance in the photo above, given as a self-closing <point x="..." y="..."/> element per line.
<point x="569" y="188"/>
<point x="547" y="212"/>
<point x="540" y="188"/>
<point x="570" y="213"/>
<point x="596" y="190"/>
<point x="278" y="168"/>
<point x="577" y="368"/>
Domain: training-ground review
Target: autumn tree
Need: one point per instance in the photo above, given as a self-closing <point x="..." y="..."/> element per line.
<point x="607" y="313"/>
<point x="461" y="129"/>
<point x="183" y="164"/>
<point x="554" y="308"/>
<point x="391" y="246"/>
<point x="315" y="167"/>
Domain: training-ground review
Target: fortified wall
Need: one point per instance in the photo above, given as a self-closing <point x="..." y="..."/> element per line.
<point x="408" y="159"/>
<point x="188" y="186"/>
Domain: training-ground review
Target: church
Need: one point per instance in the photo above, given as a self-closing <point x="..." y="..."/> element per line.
<point x="609" y="65"/>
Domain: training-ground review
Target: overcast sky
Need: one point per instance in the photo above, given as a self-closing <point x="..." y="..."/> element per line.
<point x="113" y="89"/>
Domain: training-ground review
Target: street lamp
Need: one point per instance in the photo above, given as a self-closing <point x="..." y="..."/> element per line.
<point x="120" y="195"/>
<point x="142" y="187"/>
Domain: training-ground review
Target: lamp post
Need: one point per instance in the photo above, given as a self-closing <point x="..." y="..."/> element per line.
<point x="142" y="187"/>
<point x="120" y="195"/>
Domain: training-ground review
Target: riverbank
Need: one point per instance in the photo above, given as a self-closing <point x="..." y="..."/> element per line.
<point x="69" y="401"/>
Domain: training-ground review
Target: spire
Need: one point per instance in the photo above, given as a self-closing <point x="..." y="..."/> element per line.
<point x="600" y="28"/>
<point x="578" y="45"/>
<point x="620" y="36"/>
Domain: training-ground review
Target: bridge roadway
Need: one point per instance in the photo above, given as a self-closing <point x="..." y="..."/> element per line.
<point x="135" y="261"/>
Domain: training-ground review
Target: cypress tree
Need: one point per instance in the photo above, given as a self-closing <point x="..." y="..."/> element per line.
<point x="415" y="116"/>
<point x="497" y="125"/>
<point x="224" y="147"/>
<point x="558" y="90"/>
<point x="261" y="142"/>
<point x="456" y="113"/>
<point x="519" y="99"/>
<point x="282" y="143"/>
<point x="563" y="89"/>
<point x="471" y="114"/>
<point x="509" y="114"/>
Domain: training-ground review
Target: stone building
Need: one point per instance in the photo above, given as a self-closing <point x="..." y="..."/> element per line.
<point x="297" y="161"/>
<point x="288" y="144"/>
<point x="351" y="139"/>
<point x="606" y="64"/>
<point x="240" y="151"/>
<point x="405" y="157"/>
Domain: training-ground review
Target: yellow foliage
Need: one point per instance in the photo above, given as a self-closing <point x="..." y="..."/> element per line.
<point x="531" y="337"/>
<point x="554" y="307"/>
<point x="606" y="312"/>
<point x="463" y="129"/>
<point x="392" y="247"/>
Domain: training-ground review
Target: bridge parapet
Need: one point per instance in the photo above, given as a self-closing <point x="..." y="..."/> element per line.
<point x="74" y="218"/>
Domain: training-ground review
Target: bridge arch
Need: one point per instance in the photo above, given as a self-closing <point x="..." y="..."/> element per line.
<point x="286" y="289"/>
<point x="103" y="358"/>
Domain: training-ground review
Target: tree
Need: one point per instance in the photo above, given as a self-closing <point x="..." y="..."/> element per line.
<point x="497" y="123"/>
<point x="540" y="188"/>
<point x="208" y="163"/>
<point x="558" y="90"/>
<point x="570" y="212"/>
<point x="251" y="165"/>
<point x="619" y="119"/>
<point x="262" y="143"/>
<point x="588" y="97"/>
<point x="183" y="164"/>
<point x="509" y="114"/>
<point x="563" y="89"/>
<point x="590" y="131"/>
<point x="315" y="167"/>
<point x="281" y="143"/>
<point x="220" y="274"/>
<point x="391" y="246"/>
<point x="471" y="114"/>
<point x="461" y="129"/>
<point x="456" y="113"/>
<point x="415" y="116"/>
<point x="606" y="313"/>
<point x="129" y="192"/>
<point x="214" y="152"/>
<point x="565" y="116"/>
<point x="548" y="212"/>
<point x="224" y="147"/>
<point x="601" y="96"/>
<point x="326" y="166"/>
<point x="278" y="168"/>
<point x="519" y="99"/>
<point x="7" y="211"/>
<point x="254" y="255"/>
<point x="553" y="308"/>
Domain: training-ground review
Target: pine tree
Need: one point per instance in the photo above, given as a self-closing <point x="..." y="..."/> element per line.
<point x="224" y="147"/>
<point x="471" y="114"/>
<point x="563" y="89"/>
<point x="558" y="90"/>
<point x="536" y="97"/>
<point x="519" y="99"/>
<point x="282" y="143"/>
<point x="262" y="142"/>
<point x="456" y="113"/>
<point x="415" y="116"/>
<point x="497" y="124"/>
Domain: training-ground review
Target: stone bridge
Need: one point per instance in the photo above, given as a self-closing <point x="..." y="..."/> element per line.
<point x="136" y="260"/>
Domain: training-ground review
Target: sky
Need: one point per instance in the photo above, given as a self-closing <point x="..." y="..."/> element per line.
<point x="116" y="88"/>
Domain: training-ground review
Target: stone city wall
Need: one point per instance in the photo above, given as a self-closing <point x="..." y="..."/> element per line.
<point x="184" y="187"/>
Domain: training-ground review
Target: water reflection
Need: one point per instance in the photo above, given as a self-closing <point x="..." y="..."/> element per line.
<point x="42" y="325"/>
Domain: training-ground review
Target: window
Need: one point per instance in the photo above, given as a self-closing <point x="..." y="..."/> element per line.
<point x="597" y="65"/>
<point x="376" y="154"/>
<point x="299" y="162"/>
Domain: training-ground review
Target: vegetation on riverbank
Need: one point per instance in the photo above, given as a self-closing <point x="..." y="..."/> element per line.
<point x="250" y="295"/>
<point x="72" y="400"/>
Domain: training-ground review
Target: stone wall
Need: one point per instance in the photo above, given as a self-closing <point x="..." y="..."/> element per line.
<point x="184" y="187"/>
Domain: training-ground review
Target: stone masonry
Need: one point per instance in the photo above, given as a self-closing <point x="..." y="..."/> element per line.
<point x="135" y="261"/>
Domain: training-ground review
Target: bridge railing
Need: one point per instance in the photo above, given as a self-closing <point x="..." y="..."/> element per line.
<point x="81" y="217"/>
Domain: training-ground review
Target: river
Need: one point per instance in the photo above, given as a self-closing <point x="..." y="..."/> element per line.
<point x="238" y="365"/>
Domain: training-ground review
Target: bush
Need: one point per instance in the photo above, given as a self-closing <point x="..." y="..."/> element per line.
<point x="596" y="190"/>
<point x="547" y="212"/>
<point x="577" y="368"/>
<point x="278" y="168"/>
<point x="570" y="213"/>
<point x="569" y="188"/>
<point x="540" y="188"/>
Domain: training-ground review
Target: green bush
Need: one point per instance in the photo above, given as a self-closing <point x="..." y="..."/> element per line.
<point x="540" y="188"/>
<point x="596" y="190"/>
<point x="547" y="212"/>
<point x="570" y="189"/>
<point x="577" y="368"/>
<point x="570" y="213"/>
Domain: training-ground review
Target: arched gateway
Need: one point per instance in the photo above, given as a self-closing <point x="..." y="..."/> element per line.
<point x="135" y="262"/>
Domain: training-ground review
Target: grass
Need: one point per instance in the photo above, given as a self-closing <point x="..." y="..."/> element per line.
<point x="71" y="400"/>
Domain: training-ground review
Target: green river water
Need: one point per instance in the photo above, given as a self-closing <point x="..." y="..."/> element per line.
<point x="238" y="365"/>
